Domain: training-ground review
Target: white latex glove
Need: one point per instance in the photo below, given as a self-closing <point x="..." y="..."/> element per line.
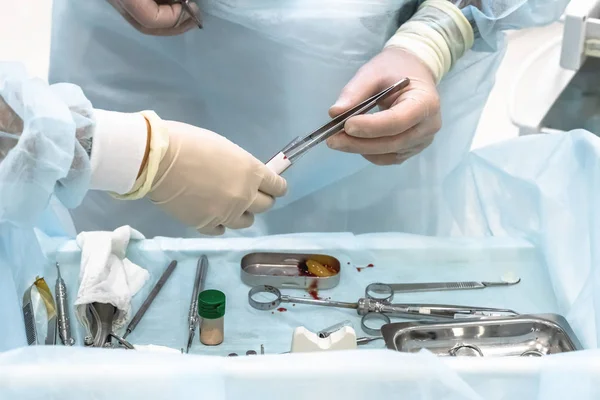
<point x="152" y="18"/>
<point x="407" y="122"/>
<point x="207" y="182"/>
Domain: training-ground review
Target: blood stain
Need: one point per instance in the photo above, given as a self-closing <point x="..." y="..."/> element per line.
<point x="361" y="268"/>
<point x="281" y="309"/>
<point x="313" y="290"/>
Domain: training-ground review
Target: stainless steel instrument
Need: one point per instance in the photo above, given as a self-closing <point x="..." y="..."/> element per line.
<point x="29" y="318"/>
<point x="62" y="308"/>
<point x="29" y="313"/>
<point x="324" y="333"/>
<point x="199" y="282"/>
<point x="285" y="270"/>
<point x="385" y="291"/>
<point x="532" y="335"/>
<point x="151" y="296"/>
<point x="300" y="146"/>
<point x="186" y="8"/>
<point x="374" y="309"/>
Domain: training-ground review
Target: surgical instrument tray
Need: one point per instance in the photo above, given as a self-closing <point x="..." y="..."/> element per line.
<point x="532" y="335"/>
<point x="283" y="270"/>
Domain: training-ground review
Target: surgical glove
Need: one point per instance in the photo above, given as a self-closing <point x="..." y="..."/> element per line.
<point x="424" y="49"/>
<point x="408" y="121"/>
<point x="207" y="182"/>
<point x="152" y="18"/>
<point x="10" y="122"/>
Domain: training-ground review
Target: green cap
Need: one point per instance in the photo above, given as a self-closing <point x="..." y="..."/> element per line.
<point x="211" y="304"/>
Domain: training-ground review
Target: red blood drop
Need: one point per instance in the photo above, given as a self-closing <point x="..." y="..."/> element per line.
<point x="281" y="309"/>
<point x="313" y="290"/>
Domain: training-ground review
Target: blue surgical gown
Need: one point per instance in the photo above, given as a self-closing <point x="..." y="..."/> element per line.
<point x="264" y="72"/>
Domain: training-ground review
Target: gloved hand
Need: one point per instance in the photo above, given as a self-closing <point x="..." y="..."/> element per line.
<point x="10" y="122"/>
<point x="208" y="182"/>
<point x="407" y="123"/>
<point x="151" y="18"/>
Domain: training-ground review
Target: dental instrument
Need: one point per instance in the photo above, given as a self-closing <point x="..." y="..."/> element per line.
<point x="62" y="308"/>
<point x="199" y="281"/>
<point x="300" y="146"/>
<point x="161" y="282"/>
<point x="385" y="291"/>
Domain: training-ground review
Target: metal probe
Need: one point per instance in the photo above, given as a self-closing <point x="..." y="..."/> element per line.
<point x="199" y="281"/>
<point x="140" y="313"/>
<point x="62" y="307"/>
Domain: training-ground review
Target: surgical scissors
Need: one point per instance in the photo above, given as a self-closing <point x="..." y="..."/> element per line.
<point x="371" y="309"/>
<point x="300" y="146"/>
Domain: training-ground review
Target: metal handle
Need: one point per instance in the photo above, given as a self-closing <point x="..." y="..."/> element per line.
<point x="159" y="285"/>
<point x="199" y="281"/>
<point x="279" y="298"/>
<point x="440" y="311"/>
<point x="434" y="286"/>
<point x="62" y="307"/>
<point x="315" y="302"/>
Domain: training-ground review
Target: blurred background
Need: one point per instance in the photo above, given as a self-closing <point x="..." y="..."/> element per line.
<point x="25" y="36"/>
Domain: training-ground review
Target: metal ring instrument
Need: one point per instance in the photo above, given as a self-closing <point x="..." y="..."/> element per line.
<point x="365" y="306"/>
<point x="385" y="291"/>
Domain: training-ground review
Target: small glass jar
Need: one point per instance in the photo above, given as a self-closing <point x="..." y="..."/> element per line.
<point x="211" y="310"/>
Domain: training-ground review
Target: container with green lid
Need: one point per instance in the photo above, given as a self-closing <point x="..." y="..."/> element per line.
<point x="211" y="304"/>
<point x="211" y="309"/>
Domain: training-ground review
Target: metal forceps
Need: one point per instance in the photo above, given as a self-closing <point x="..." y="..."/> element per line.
<point x="300" y="146"/>
<point x="386" y="291"/>
<point x="186" y="8"/>
<point x="372" y="309"/>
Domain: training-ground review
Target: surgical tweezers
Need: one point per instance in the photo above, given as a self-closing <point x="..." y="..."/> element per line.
<point x="299" y="146"/>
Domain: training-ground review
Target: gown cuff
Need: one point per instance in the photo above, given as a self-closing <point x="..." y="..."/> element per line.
<point x="118" y="150"/>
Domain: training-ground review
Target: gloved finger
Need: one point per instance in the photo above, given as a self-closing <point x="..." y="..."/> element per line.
<point x="410" y="109"/>
<point x="418" y="134"/>
<point x="212" y="230"/>
<point x="394" y="158"/>
<point x="261" y="203"/>
<point x="183" y="27"/>
<point x="149" y="14"/>
<point x="10" y="122"/>
<point x="362" y="86"/>
<point x="244" y="221"/>
<point x="272" y="184"/>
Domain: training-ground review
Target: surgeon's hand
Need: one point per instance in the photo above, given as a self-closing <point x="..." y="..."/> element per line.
<point x="152" y="18"/>
<point x="407" y="122"/>
<point x="207" y="182"/>
<point x="10" y="122"/>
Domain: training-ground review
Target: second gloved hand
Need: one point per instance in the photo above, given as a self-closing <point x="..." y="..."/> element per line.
<point x="208" y="182"/>
<point x="152" y="18"/>
<point x="407" y="123"/>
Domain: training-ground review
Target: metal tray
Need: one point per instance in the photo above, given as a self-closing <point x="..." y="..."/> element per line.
<point x="282" y="270"/>
<point x="532" y="335"/>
